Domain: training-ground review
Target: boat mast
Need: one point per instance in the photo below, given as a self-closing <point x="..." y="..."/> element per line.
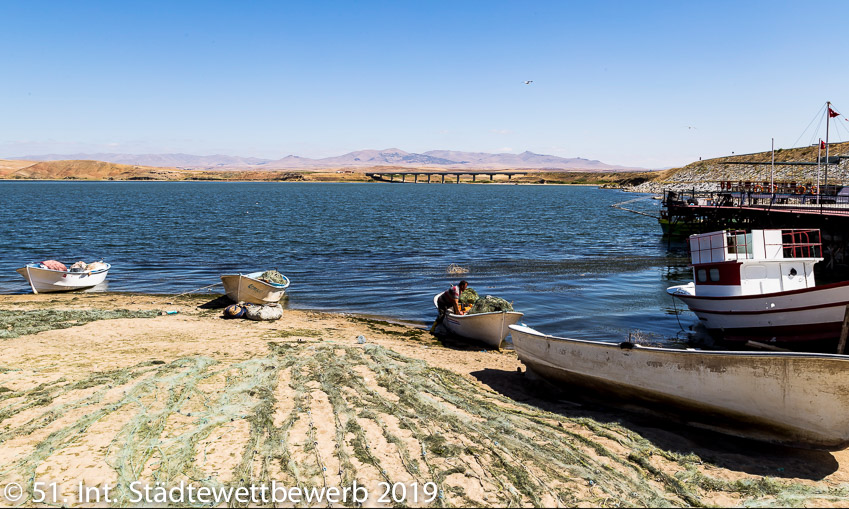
<point x="827" y="122"/>
<point x="772" y="170"/>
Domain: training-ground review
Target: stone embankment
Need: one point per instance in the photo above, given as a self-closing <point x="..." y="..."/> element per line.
<point x="706" y="175"/>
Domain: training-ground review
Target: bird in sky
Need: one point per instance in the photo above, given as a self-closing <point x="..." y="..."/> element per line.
<point x="690" y="127"/>
<point x="528" y="82"/>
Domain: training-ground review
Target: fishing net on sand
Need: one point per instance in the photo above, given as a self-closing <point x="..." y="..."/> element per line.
<point x="272" y="276"/>
<point x="490" y="304"/>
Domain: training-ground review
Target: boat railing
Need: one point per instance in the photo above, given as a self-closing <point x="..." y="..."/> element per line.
<point x="786" y="198"/>
<point x="771" y="244"/>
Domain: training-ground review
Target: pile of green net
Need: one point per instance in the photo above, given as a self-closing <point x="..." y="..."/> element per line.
<point x="272" y="276"/>
<point x="468" y="296"/>
<point x="490" y="304"/>
<point x="486" y="304"/>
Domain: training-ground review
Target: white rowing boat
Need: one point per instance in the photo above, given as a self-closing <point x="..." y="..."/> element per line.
<point x="488" y="328"/>
<point x="248" y="288"/>
<point x="795" y="398"/>
<point x="44" y="280"/>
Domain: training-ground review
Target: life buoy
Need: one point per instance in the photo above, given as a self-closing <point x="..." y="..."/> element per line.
<point x="758" y="189"/>
<point x="815" y="190"/>
<point x="801" y="190"/>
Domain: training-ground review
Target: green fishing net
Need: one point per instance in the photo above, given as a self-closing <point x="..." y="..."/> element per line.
<point x="469" y="296"/>
<point x="272" y="276"/>
<point x="490" y="304"/>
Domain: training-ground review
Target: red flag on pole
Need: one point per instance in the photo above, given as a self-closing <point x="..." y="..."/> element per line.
<point x="832" y="113"/>
<point x="822" y="144"/>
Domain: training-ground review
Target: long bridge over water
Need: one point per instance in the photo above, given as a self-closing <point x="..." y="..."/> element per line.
<point x="389" y="176"/>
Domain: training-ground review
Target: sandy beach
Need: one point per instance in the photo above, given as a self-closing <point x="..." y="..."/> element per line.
<point x="123" y="397"/>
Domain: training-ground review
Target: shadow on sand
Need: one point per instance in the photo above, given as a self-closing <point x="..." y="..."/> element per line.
<point x="666" y="431"/>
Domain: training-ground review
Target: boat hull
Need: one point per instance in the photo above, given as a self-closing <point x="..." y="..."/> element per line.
<point x="799" y="399"/>
<point x="47" y="280"/>
<point x="807" y="314"/>
<point x="488" y="328"/>
<point x="246" y="288"/>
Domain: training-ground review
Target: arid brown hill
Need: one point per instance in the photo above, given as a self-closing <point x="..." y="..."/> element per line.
<point x="86" y="170"/>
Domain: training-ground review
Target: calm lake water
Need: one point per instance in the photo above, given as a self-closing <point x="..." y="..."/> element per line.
<point x="573" y="264"/>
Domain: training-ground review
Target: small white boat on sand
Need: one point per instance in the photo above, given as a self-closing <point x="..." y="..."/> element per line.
<point x="248" y="288"/>
<point x="760" y="285"/>
<point x="799" y="399"/>
<point x="43" y="280"/>
<point x="488" y="328"/>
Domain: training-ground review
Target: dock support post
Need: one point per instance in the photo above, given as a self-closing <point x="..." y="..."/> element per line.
<point x="843" y="332"/>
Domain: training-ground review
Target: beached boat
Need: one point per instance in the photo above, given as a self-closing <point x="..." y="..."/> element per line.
<point x="488" y="328"/>
<point x="248" y="288"/>
<point x="794" y="398"/>
<point x="42" y="279"/>
<point x="760" y="285"/>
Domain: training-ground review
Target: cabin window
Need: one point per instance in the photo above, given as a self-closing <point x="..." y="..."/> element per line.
<point x="714" y="275"/>
<point x="702" y="275"/>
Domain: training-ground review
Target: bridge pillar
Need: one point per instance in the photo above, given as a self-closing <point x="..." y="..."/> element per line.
<point x="458" y="178"/>
<point x="443" y="178"/>
<point x="415" y="178"/>
<point x="391" y="177"/>
<point x="491" y="176"/>
<point x="509" y="176"/>
<point x="474" y="177"/>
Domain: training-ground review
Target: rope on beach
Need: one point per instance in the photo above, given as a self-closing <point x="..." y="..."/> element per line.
<point x="619" y="206"/>
<point x="199" y="289"/>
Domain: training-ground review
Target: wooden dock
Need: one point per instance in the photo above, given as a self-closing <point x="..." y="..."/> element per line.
<point x="686" y="213"/>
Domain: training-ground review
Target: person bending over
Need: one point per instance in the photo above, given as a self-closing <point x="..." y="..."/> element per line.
<point x="450" y="299"/>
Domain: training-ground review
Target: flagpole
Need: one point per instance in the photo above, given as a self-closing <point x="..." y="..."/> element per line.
<point x="819" y="159"/>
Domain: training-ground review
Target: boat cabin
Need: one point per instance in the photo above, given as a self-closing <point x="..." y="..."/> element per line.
<point x="735" y="262"/>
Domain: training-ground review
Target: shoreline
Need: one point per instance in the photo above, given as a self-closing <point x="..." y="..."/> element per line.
<point x="198" y="398"/>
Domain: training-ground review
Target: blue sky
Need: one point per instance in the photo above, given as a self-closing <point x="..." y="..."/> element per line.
<point x="617" y="81"/>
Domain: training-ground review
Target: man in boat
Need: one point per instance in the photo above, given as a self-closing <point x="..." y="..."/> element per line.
<point x="450" y="299"/>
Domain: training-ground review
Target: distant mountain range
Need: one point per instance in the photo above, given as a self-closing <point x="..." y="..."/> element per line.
<point x="393" y="157"/>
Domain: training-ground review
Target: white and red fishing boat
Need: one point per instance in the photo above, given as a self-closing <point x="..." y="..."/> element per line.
<point x="760" y="285"/>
